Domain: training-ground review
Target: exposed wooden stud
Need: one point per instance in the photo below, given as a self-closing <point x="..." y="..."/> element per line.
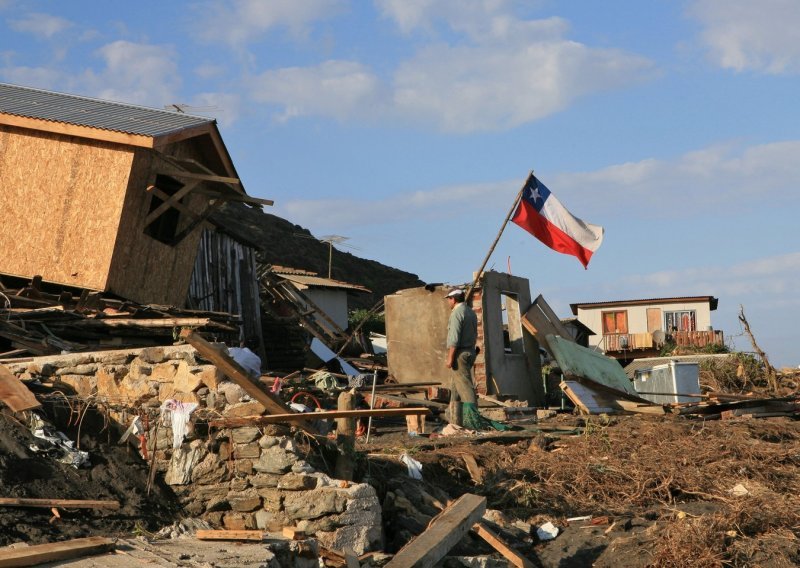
<point x="54" y="551"/>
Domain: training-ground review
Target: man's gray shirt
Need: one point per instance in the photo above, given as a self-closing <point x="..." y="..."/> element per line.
<point x="462" y="327"/>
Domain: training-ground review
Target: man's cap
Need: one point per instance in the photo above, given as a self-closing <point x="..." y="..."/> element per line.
<point x="457" y="293"/>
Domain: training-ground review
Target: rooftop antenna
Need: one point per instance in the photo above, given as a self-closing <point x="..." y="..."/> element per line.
<point x="338" y="240"/>
<point x="183" y="108"/>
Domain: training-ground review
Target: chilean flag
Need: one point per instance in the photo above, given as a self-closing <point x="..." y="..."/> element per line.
<point x="543" y="216"/>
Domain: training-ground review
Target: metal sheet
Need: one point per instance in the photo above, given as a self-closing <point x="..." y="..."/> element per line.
<point x="577" y="361"/>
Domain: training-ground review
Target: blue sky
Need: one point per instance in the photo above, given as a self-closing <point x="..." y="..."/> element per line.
<point x="409" y="125"/>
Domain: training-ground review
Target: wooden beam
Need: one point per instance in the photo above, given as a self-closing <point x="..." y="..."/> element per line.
<point x="324" y="415"/>
<point x="238" y="375"/>
<point x="54" y="551"/>
<point x="209" y="534"/>
<point x="75" y="130"/>
<point x="239" y="198"/>
<point x="171" y="201"/>
<point x="442" y="534"/>
<point x="62" y="503"/>
<point x="502" y="547"/>
<point x="210" y="208"/>
<point x="199" y="177"/>
<point x="14" y="393"/>
<point x="158" y="192"/>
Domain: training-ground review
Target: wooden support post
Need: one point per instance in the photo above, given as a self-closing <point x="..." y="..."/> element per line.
<point x="345" y="438"/>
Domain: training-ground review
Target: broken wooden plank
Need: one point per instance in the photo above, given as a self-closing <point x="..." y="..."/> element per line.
<point x="293" y="533"/>
<point x="14" y="393"/>
<point x="211" y="534"/>
<point x="323" y="415"/>
<point x="62" y="503"/>
<point x="475" y="471"/>
<point x="501" y="546"/>
<point x="54" y="551"/>
<point x="442" y="534"/>
<point x="237" y="374"/>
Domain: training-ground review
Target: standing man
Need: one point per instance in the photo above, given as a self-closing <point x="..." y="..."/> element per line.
<point x="462" y="334"/>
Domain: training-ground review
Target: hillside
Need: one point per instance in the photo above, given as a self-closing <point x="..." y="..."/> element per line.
<point x="280" y="242"/>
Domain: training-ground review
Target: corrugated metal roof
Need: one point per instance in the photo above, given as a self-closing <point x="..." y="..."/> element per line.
<point x="319" y="282"/>
<point x="94" y="113"/>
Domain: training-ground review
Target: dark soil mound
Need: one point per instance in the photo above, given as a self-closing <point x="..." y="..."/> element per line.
<point x="116" y="472"/>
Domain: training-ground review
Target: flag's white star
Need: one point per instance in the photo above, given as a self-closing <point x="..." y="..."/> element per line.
<point x="535" y="195"/>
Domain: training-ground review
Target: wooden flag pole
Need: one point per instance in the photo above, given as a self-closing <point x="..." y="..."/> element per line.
<point x="497" y="239"/>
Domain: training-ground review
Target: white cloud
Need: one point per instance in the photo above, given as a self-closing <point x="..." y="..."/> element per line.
<point x="40" y="25"/>
<point x="237" y="22"/>
<point x="745" y="35"/>
<point x="439" y="203"/>
<point x="715" y="179"/>
<point x="36" y="77"/>
<point x="340" y="89"/>
<point x="225" y="107"/>
<point x="497" y="73"/>
<point x="135" y="73"/>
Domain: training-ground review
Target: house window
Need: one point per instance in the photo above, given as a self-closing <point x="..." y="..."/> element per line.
<point x="512" y="324"/>
<point x="615" y="322"/>
<point x="680" y="321"/>
<point x="165" y="226"/>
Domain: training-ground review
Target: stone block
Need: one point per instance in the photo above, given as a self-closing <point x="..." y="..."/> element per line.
<point x="153" y="355"/>
<point x="209" y="375"/>
<point x="236" y="521"/>
<point x="210" y="470"/>
<point x="245" y="435"/>
<point x="214" y="518"/>
<point x="245" y="502"/>
<point x="243" y="409"/>
<point x="275" y="460"/>
<point x="163" y="372"/>
<point x="85" y="369"/>
<point x="183" y="462"/>
<point x="139" y="370"/>
<point x="108" y="383"/>
<point x="238" y="484"/>
<point x="132" y="388"/>
<point x="272" y="498"/>
<point x="264" y="480"/>
<point x="297" y="482"/>
<point x="233" y="393"/>
<point x="184" y="380"/>
<point x="83" y="385"/>
<point x="314" y="504"/>
<point x="246" y="451"/>
<point x="243" y="467"/>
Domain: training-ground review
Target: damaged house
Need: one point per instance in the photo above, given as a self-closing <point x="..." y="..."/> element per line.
<point x="508" y="363"/>
<point x="110" y="197"/>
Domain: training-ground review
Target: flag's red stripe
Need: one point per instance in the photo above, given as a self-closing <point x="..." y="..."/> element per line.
<point x="529" y="219"/>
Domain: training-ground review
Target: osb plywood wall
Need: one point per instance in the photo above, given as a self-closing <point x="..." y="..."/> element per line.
<point x="61" y="200"/>
<point x="145" y="269"/>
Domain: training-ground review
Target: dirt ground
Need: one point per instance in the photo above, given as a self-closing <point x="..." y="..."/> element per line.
<point x="658" y="491"/>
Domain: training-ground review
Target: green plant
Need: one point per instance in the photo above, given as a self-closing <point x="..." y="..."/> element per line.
<point x="372" y="322"/>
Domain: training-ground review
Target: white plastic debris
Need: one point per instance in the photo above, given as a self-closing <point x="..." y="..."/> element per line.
<point x="739" y="490"/>
<point x="61" y="448"/>
<point x="248" y="360"/>
<point x="547" y="531"/>
<point x="414" y="467"/>
<point x="176" y="413"/>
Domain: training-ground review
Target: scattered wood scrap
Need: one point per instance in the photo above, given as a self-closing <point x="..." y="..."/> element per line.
<point x="501" y="546"/>
<point x="443" y="533"/>
<point x="323" y="415"/>
<point x="14" y="393"/>
<point x="211" y="534"/>
<point x="60" y="503"/>
<point x="55" y="551"/>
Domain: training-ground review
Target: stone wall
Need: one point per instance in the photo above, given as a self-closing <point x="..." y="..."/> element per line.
<point x="233" y="478"/>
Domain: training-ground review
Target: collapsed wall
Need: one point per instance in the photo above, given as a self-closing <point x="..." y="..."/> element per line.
<point x="234" y="478"/>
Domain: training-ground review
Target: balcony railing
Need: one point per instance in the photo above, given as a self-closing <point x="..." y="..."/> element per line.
<point x="639" y="341"/>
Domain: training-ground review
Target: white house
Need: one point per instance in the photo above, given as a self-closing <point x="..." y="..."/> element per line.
<point x="627" y="329"/>
<point x="327" y="294"/>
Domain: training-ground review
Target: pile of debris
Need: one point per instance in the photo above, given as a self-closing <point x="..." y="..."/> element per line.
<point x="35" y="322"/>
